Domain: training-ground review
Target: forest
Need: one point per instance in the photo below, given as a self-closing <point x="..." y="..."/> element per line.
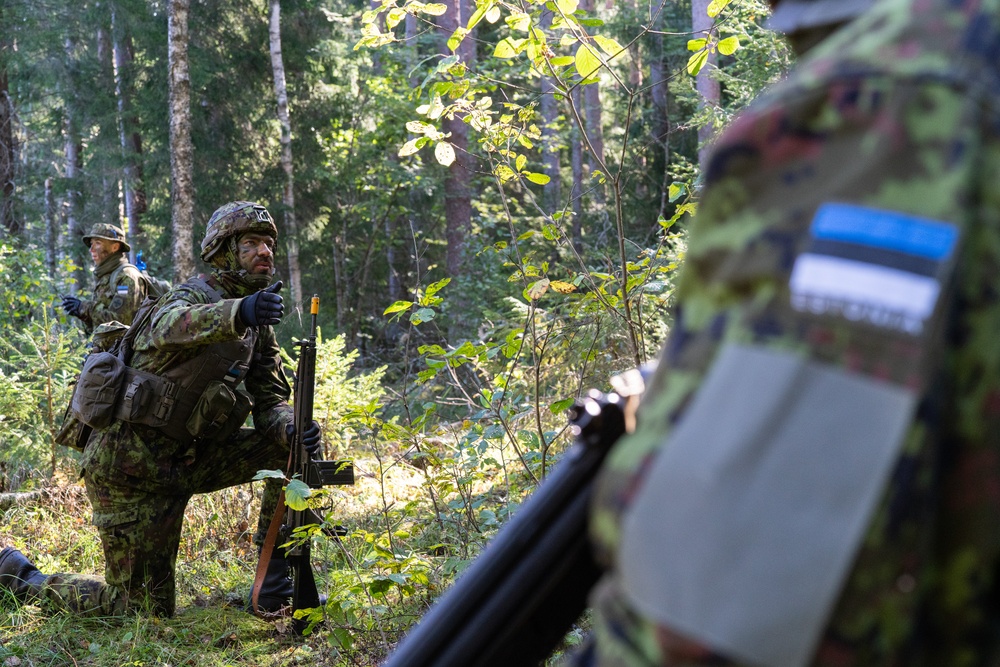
<point x="489" y="197"/>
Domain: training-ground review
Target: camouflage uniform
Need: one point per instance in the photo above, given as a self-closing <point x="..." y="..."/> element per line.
<point x="899" y="112"/>
<point x="118" y="293"/>
<point x="139" y="481"/>
<point x="120" y="286"/>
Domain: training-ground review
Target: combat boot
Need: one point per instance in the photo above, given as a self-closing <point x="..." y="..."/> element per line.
<point x="20" y="576"/>
<point x="277" y="588"/>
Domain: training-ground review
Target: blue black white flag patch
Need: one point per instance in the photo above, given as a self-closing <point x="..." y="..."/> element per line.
<point x="122" y="290"/>
<point x="881" y="267"/>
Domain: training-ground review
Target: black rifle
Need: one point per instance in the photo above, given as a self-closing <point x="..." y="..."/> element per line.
<point x="315" y="474"/>
<point x="520" y="597"/>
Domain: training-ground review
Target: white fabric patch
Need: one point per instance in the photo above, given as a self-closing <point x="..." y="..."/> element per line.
<point x="863" y="292"/>
<point x="750" y="516"/>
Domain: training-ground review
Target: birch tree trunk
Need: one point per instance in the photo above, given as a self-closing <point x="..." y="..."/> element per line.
<point x="181" y="148"/>
<point x="290" y="231"/>
<point x="110" y="201"/>
<point x="706" y="84"/>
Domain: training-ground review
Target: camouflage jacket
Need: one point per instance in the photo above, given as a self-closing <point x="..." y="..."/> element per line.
<point x="892" y="127"/>
<point x="185" y="321"/>
<point x="119" y="291"/>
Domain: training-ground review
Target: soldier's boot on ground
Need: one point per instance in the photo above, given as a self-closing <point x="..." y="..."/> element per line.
<point x="277" y="588"/>
<point x="19" y="576"/>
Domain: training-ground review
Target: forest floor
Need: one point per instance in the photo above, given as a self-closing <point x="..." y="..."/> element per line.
<point x="214" y="574"/>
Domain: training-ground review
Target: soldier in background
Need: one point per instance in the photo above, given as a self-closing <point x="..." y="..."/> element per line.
<point x="206" y="357"/>
<point x="119" y="290"/>
<point x="120" y="287"/>
<point x="815" y="470"/>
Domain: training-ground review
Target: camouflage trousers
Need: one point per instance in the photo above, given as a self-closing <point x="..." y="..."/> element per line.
<point x="140" y="520"/>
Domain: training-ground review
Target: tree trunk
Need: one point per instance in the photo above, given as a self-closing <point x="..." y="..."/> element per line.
<point x="290" y="231"/>
<point x="110" y="200"/>
<point x="8" y="145"/>
<point x="659" y="95"/>
<point x="549" y="109"/>
<point x="457" y="199"/>
<point x="51" y="230"/>
<point x="706" y="83"/>
<point x="131" y="143"/>
<point x="576" y="164"/>
<point x="181" y="148"/>
<point x="593" y="117"/>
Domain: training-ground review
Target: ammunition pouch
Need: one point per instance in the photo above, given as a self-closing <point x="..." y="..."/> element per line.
<point x="98" y="388"/>
<point x="220" y="410"/>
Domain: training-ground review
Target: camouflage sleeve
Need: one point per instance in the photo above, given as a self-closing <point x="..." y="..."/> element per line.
<point x="189" y="318"/>
<point x="86" y="315"/>
<point x="864" y="131"/>
<point x="269" y="387"/>
<point x="121" y="299"/>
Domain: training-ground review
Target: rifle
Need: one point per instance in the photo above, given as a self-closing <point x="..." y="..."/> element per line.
<point x="315" y="474"/>
<point x="521" y="596"/>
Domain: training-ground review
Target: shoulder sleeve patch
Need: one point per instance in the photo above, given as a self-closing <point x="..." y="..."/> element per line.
<point x="881" y="267"/>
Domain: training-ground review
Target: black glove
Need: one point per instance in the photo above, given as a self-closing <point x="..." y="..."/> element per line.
<point x="311" y="438"/>
<point x="71" y="305"/>
<point x="262" y="308"/>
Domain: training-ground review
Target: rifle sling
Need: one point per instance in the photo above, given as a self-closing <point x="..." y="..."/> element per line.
<point x="266" y="550"/>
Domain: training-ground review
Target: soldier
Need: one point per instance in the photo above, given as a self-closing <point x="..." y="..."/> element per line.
<point x="204" y="357"/>
<point x="120" y="287"/>
<point x="814" y="474"/>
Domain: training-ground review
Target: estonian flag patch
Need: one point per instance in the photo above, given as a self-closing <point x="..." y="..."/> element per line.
<point x="881" y="267"/>
<point x="123" y="290"/>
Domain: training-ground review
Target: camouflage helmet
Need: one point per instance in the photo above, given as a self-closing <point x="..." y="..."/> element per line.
<point x="108" y="232"/>
<point x="234" y="218"/>
<point x="790" y="16"/>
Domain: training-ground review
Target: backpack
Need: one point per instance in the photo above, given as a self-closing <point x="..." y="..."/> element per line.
<point x="155" y="287"/>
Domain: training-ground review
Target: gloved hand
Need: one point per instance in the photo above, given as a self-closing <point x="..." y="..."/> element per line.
<point x="71" y="305"/>
<point x="263" y="307"/>
<point x="311" y="437"/>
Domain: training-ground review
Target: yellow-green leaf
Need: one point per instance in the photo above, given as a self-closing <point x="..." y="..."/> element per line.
<point x="697" y="44"/>
<point x="456" y="38"/>
<point x="505" y="48"/>
<point x="586" y="62"/>
<point x="296" y="494"/>
<point x="729" y="45"/>
<point x="562" y="287"/>
<point x="716" y="6"/>
<point x="540" y="179"/>
<point x="519" y="21"/>
<point x="567" y="6"/>
<point x="432" y="8"/>
<point x="562" y="61"/>
<point x="394" y="16"/>
<point x="444" y="153"/>
<point x="537" y="289"/>
<point x="504" y="173"/>
<point x="409" y="148"/>
<point x="696" y="62"/>
<point x="520" y="162"/>
<point x="608" y="45"/>
<point x="493" y="14"/>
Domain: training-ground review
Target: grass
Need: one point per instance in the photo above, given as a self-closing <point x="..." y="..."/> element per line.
<point x="214" y="573"/>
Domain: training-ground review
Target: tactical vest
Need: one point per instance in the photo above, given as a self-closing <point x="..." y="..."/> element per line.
<point x="197" y="399"/>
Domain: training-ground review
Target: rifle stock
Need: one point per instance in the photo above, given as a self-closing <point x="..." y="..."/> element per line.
<point x="520" y="597"/>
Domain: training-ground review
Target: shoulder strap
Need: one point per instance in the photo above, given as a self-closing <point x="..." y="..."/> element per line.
<point x="204" y="284"/>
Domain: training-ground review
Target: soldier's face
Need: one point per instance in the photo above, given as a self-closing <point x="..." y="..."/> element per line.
<point x="256" y="253"/>
<point x="101" y="249"/>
